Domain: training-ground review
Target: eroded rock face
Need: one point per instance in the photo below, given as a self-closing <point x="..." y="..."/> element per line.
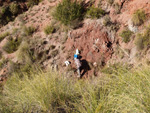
<point x="93" y="42"/>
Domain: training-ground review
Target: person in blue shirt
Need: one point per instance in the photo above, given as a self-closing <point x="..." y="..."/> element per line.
<point x="77" y="62"/>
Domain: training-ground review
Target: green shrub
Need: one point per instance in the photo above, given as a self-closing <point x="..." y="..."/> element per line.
<point x="138" y="17"/>
<point x="29" y="30"/>
<point x="4" y="10"/>
<point x="2" y="36"/>
<point x="68" y="11"/>
<point x="126" y="34"/>
<point x="5" y="15"/>
<point x="49" y="29"/>
<point x="95" y="12"/>
<point x="12" y="45"/>
<point x="14" y="8"/>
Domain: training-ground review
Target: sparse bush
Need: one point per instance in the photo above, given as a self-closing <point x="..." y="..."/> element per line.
<point x="54" y="53"/>
<point x="138" y="17"/>
<point x="67" y="11"/>
<point x="51" y="1"/>
<point x="14" y="8"/>
<point x="106" y="20"/>
<point x="3" y="62"/>
<point x="139" y="42"/>
<point x="49" y="29"/>
<point x="143" y="40"/>
<point x="126" y="34"/>
<point x="4" y="10"/>
<point x="95" y="12"/>
<point x="52" y="47"/>
<point x="15" y="30"/>
<point x="117" y="8"/>
<point x="31" y="3"/>
<point x="110" y="1"/>
<point x="1" y="55"/>
<point x="10" y="10"/>
<point x="5" y="15"/>
<point x="29" y="30"/>
<point x="2" y="36"/>
<point x="12" y="45"/>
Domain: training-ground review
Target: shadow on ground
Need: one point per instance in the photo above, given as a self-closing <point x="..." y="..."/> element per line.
<point x="85" y="67"/>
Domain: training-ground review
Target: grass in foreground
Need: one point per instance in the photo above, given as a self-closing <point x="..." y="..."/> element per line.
<point x="120" y="91"/>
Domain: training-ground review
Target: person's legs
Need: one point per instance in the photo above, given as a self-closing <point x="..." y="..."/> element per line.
<point x="78" y="71"/>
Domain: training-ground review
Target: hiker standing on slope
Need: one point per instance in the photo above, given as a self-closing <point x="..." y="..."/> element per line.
<point x="77" y="62"/>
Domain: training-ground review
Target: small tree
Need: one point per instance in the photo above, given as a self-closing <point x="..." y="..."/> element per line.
<point x="67" y="11"/>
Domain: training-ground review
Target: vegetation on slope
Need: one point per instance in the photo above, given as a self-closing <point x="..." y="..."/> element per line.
<point x="95" y="12"/>
<point x="12" y="45"/>
<point x="120" y="91"/>
<point x="143" y="39"/>
<point x="10" y="9"/>
<point x="138" y="17"/>
<point x="68" y="11"/>
<point x="126" y="34"/>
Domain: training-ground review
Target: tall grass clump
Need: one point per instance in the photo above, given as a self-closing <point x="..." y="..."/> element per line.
<point x="67" y="11"/>
<point x="138" y="17"/>
<point x="129" y="91"/>
<point x="2" y="36"/>
<point x="121" y="90"/>
<point x="40" y="92"/>
<point x="49" y="29"/>
<point x="24" y="55"/>
<point x="12" y="45"/>
<point x="29" y="30"/>
<point x="117" y="8"/>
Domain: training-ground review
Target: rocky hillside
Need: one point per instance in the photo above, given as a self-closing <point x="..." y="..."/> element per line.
<point x="109" y="32"/>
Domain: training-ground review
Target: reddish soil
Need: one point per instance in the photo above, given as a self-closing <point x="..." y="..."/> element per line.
<point x="93" y="42"/>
